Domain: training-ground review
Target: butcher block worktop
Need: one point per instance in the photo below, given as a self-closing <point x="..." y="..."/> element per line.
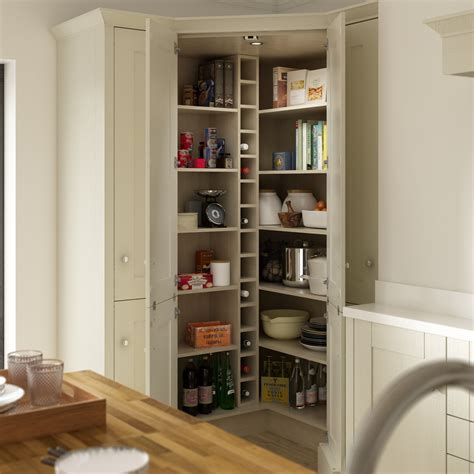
<point x="176" y="442"/>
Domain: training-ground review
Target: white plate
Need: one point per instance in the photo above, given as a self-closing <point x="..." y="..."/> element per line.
<point x="314" y="348"/>
<point x="3" y="382"/>
<point x="11" y="395"/>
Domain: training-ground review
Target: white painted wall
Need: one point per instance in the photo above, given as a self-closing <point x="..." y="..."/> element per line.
<point x="426" y="152"/>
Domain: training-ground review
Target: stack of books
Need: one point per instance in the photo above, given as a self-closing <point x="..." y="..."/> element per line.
<point x="311" y="145"/>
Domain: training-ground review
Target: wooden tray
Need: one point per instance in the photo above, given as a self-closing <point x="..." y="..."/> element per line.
<point x="77" y="409"/>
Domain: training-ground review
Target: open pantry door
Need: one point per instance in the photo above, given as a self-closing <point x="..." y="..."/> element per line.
<point x="336" y="242"/>
<point x="161" y="132"/>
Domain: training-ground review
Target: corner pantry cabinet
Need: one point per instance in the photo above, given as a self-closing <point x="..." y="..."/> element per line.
<point x="121" y="77"/>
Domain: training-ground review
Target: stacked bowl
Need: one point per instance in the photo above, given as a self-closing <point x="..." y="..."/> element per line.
<point x="314" y="334"/>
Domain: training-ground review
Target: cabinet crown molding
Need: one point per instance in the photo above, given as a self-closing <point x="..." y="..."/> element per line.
<point x="457" y="33"/>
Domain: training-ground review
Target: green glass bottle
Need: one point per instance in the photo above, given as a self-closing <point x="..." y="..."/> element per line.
<point x="227" y="391"/>
<point x="216" y="380"/>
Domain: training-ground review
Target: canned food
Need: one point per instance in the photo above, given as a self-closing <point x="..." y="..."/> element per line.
<point x="186" y="141"/>
<point x="184" y="157"/>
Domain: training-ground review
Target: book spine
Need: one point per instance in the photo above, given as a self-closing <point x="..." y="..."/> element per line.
<point x="297" y="144"/>
<point x="309" y="139"/>
<point x="228" y="84"/>
<point x="314" y="146"/>
<point x="320" y="145"/>
<point x="325" y="146"/>
<point x="304" y="151"/>
<point x="300" y="146"/>
<point x="275" y="87"/>
<point x="219" y="82"/>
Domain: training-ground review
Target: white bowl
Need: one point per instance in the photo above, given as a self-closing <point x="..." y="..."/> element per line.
<point x="283" y="323"/>
<point x="315" y="219"/>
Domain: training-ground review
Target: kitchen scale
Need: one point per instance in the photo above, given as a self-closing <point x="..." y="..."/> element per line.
<point x="213" y="213"/>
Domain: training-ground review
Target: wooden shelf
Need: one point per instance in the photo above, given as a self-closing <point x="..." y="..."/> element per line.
<point x="287" y="290"/>
<point x="248" y="231"/>
<point x="247" y="378"/>
<point x="195" y="109"/>
<point x="313" y="416"/>
<point x="247" y="82"/>
<point x="214" y="289"/>
<point x="248" y="255"/>
<point x="186" y="351"/>
<point x="291" y="111"/>
<point x="247" y="279"/>
<point x="248" y="181"/>
<point x="294" y="230"/>
<point x="245" y="328"/>
<point x="247" y="131"/>
<point x="219" y="413"/>
<point x="207" y="230"/>
<point x="248" y="206"/>
<point x="250" y="155"/>
<point x="248" y="106"/>
<point x="277" y="172"/>
<point x="248" y="353"/>
<point x="249" y="304"/>
<point x="292" y="347"/>
<point x="207" y="170"/>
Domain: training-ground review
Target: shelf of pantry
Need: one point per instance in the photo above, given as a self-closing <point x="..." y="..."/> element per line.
<point x="292" y="347"/>
<point x="195" y="109"/>
<point x="292" y="110"/>
<point x="288" y="290"/>
<point x="293" y="172"/>
<point x="214" y="289"/>
<point x="295" y="230"/>
<point x="205" y="230"/>
<point x="187" y="351"/>
<point x="207" y="170"/>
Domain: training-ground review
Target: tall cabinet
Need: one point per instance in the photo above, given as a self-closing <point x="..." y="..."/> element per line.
<point x="120" y="249"/>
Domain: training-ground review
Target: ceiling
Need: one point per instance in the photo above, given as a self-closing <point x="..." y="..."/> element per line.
<point x="280" y="6"/>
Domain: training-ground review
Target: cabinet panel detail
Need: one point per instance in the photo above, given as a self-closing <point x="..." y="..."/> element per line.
<point x="458" y="437"/>
<point x="403" y="341"/>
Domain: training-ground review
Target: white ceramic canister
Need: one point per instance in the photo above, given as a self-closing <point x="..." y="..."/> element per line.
<point x="220" y="271"/>
<point x="269" y="207"/>
<point x="301" y="199"/>
<point x="318" y="267"/>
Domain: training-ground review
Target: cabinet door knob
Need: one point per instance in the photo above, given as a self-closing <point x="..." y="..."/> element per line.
<point x="125" y="342"/>
<point x="125" y="259"/>
<point x="369" y="263"/>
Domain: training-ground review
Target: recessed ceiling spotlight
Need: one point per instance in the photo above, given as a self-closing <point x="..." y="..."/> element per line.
<point x="253" y="40"/>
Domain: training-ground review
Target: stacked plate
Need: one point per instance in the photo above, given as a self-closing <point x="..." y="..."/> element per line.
<point x="9" y="395"/>
<point x="314" y="334"/>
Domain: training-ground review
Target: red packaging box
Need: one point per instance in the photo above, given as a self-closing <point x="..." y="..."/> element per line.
<point x="208" y="334"/>
<point x="194" y="281"/>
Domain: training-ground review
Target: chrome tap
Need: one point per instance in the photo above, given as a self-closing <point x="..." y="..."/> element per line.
<point x="395" y="401"/>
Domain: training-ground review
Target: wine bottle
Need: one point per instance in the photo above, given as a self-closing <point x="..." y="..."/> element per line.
<point x="321" y="383"/>
<point x="227" y="392"/>
<point x="245" y="369"/>
<point x="245" y="393"/>
<point x="311" y="391"/>
<point x="244" y="147"/>
<point x="216" y="378"/>
<point x="244" y="221"/>
<point x="297" y="387"/>
<point x="246" y="344"/>
<point x="190" y="388"/>
<point x="244" y="294"/>
<point x="205" y="387"/>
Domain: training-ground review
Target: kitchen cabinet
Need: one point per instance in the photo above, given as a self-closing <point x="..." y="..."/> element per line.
<point x="377" y="355"/>
<point x="458" y="466"/>
<point x="130" y="363"/>
<point x="133" y="201"/>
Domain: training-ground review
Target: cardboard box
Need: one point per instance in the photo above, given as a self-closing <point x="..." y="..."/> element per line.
<point x="280" y="74"/>
<point x="296" y="87"/>
<point x="316" y="86"/>
<point x="194" y="281"/>
<point x="208" y="334"/>
<point x="275" y="389"/>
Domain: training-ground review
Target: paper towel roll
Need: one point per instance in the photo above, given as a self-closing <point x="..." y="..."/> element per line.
<point x="220" y="270"/>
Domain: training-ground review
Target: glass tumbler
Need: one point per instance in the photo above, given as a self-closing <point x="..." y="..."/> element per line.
<point x="45" y="381"/>
<point x="18" y="362"/>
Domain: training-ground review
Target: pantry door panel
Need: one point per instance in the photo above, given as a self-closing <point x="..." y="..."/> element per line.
<point x="336" y="161"/>
<point x="161" y="133"/>
<point x="129" y="164"/>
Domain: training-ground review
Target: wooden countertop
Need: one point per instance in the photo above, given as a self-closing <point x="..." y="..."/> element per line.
<point x="176" y="442"/>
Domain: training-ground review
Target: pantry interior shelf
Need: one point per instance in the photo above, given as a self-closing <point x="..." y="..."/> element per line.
<point x="214" y="289"/>
<point x="292" y="172"/>
<point x="187" y="351"/>
<point x="207" y="170"/>
<point x="294" y="348"/>
<point x="250" y="155"/>
<point x="292" y="110"/>
<point x="294" y="230"/>
<point x="206" y="230"/>
<point x="195" y="109"/>
<point x="288" y="290"/>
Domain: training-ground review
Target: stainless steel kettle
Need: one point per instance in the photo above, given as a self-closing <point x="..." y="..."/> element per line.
<point x="296" y="264"/>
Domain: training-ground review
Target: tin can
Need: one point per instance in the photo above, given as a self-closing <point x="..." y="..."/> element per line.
<point x="186" y="141"/>
<point x="184" y="158"/>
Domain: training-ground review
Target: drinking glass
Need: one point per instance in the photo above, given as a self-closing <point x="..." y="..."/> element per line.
<point x="18" y="361"/>
<point x="45" y="381"/>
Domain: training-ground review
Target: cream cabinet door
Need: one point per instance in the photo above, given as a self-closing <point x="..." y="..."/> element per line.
<point x="381" y="354"/>
<point x="129" y="164"/>
<point x="130" y="343"/>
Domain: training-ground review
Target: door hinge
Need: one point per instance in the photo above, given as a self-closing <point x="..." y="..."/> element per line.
<point x="176" y="281"/>
<point x="175" y="160"/>
<point x="177" y="312"/>
<point x="326" y="43"/>
<point x="153" y="306"/>
<point x="176" y="48"/>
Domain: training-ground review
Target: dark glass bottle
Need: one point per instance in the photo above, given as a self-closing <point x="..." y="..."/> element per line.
<point x="215" y="380"/>
<point x="190" y="388"/>
<point x="205" y="387"/>
<point x="227" y="392"/>
<point x="296" y="394"/>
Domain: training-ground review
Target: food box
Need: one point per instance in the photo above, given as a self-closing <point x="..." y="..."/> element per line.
<point x="194" y="281"/>
<point x="282" y="160"/>
<point x="316" y="86"/>
<point x="279" y="86"/>
<point x="206" y="93"/>
<point x="274" y="389"/>
<point x="208" y="334"/>
<point x="296" y="87"/>
<point x="187" y="221"/>
<point x="203" y="260"/>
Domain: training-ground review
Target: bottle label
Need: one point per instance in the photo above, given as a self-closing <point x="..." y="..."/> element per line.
<point x="311" y="395"/>
<point x="322" y="394"/>
<point x="205" y="395"/>
<point x="230" y="392"/>
<point x="300" y="399"/>
<point x="190" y="397"/>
